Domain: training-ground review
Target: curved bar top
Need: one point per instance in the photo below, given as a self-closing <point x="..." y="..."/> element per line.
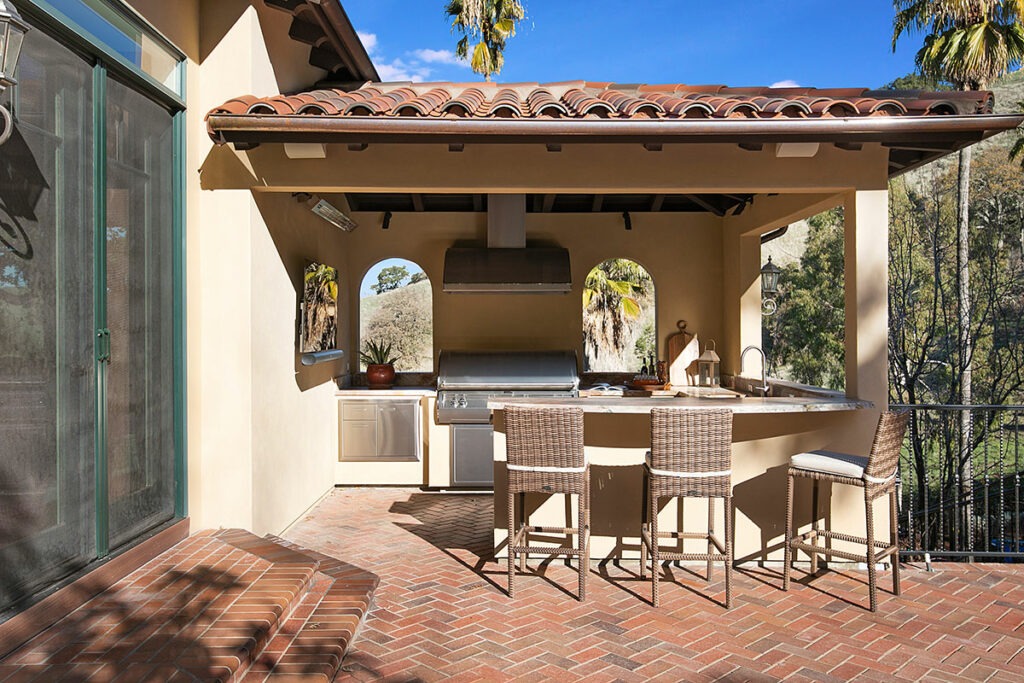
<point x="747" y="404"/>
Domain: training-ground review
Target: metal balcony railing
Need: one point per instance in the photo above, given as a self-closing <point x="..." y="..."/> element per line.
<point x="960" y="474"/>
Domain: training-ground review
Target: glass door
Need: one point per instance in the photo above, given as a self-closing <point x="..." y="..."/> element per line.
<point x="47" y="378"/>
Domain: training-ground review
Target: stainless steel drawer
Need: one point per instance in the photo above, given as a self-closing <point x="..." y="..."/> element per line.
<point x="358" y="439"/>
<point x="359" y="410"/>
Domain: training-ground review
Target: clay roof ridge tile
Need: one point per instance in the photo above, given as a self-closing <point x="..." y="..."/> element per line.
<point x="740" y="107"/>
<point x="541" y="102"/>
<point x="585" y="104"/>
<point x="424" y="104"/>
<point x="825" y="106"/>
<point x="470" y="100"/>
<point x="236" y="105"/>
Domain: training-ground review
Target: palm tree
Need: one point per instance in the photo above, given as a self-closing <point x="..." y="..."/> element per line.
<point x="319" y="301"/>
<point x="968" y="43"/>
<point x="614" y="294"/>
<point x="489" y="22"/>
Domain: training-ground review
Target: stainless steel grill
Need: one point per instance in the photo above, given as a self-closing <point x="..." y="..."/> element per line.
<point x="468" y="379"/>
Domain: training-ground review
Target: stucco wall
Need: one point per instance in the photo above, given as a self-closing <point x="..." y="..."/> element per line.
<point x="260" y="429"/>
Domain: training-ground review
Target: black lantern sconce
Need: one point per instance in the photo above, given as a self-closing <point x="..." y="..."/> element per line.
<point x="769" y="287"/>
<point x="12" y="33"/>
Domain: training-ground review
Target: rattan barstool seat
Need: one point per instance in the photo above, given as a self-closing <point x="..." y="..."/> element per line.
<point x="690" y="457"/>
<point x="545" y="454"/>
<point x="877" y="475"/>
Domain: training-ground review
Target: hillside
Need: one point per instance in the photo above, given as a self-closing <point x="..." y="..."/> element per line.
<point x="1008" y="90"/>
<point x="403" y="317"/>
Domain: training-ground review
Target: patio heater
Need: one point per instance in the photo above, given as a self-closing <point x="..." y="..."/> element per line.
<point x="769" y="287"/>
<point x="12" y="32"/>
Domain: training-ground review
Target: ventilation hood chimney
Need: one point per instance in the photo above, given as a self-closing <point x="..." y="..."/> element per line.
<point x="507" y="265"/>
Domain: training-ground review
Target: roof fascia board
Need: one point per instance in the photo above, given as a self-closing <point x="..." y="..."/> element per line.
<point x="345" y="39"/>
<point x="327" y="129"/>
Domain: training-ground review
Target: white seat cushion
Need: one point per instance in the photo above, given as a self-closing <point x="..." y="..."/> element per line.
<point x="830" y="462"/>
<point x="683" y="475"/>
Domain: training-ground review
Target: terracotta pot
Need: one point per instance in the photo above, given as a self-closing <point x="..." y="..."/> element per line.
<point x="380" y="376"/>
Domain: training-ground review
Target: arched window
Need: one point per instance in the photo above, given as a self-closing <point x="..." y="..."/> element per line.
<point x="396" y="307"/>
<point x="618" y="317"/>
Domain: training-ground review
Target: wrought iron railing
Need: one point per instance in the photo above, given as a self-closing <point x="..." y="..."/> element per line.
<point x="960" y="473"/>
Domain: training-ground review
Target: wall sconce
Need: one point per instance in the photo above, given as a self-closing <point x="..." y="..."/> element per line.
<point x="769" y="287"/>
<point x="12" y="33"/>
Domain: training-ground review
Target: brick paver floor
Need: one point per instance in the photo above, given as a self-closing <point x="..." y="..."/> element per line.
<point x="441" y="612"/>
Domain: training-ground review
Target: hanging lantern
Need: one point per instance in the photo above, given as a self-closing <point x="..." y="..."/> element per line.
<point x="12" y="32"/>
<point x="708" y="367"/>
<point x="770" y="278"/>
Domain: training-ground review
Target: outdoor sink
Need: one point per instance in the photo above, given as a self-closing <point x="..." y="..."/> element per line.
<point x="780" y="389"/>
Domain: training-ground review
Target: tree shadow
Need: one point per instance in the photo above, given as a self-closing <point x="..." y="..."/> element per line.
<point x="467" y="537"/>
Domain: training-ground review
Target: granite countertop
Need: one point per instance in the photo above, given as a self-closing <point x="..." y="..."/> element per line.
<point x="379" y="394"/>
<point x="747" y="404"/>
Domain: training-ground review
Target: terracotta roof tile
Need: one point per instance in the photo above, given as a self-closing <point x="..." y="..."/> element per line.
<point x="584" y="100"/>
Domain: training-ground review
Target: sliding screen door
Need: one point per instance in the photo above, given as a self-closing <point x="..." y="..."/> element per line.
<point x="139" y="249"/>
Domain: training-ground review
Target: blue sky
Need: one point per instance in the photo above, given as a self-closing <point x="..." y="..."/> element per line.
<point x="370" y="278"/>
<point x="821" y="43"/>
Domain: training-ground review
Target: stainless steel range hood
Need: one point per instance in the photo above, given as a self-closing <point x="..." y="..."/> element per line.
<point x="535" y="270"/>
<point x="507" y="265"/>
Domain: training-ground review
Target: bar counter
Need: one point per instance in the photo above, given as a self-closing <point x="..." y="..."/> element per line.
<point x="744" y="405"/>
<point x="766" y="433"/>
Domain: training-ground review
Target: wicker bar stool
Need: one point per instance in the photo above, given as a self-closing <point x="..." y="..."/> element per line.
<point x="690" y="457"/>
<point x="545" y="455"/>
<point x="876" y="474"/>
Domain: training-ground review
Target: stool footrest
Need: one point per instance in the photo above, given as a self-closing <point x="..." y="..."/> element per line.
<point x="832" y="552"/>
<point x="550" y="530"/>
<point x="645" y="538"/>
<point x="832" y="535"/>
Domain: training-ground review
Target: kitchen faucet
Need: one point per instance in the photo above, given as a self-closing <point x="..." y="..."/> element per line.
<point x="764" y="368"/>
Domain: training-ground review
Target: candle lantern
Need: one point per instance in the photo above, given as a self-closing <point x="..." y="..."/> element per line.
<point x="708" y="367"/>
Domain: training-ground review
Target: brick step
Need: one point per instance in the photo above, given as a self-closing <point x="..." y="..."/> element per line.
<point x="313" y="642"/>
<point x="203" y="610"/>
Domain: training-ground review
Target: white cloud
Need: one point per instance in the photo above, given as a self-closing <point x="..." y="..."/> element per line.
<point x="418" y="65"/>
<point x="439" y="57"/>
<point x="397" y="70"/>
<point x="788" y="83"/>
<point x="369" y="41"/>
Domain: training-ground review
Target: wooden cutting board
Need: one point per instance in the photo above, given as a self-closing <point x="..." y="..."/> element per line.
<point x="677" y="343"/>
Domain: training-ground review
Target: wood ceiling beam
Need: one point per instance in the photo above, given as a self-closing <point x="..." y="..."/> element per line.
<point x="706" y="205"/>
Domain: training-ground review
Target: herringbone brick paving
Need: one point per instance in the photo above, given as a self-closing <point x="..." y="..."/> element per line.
<point x="441" y="612"/>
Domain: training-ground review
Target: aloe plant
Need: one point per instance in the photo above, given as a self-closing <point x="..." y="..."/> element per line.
<point x="377" y="353"/>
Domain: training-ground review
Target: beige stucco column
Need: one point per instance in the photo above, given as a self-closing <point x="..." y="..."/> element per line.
<point x="867" y="281"/>
<point x="741" y="301"/>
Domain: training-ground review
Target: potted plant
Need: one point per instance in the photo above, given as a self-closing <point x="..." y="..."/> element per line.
<point x="380" y="364"/>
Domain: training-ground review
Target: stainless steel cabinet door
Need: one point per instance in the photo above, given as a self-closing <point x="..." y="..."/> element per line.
<point x="358" y="440"/>
<point x="472" y="455"/>
<point x="397" y="429"/>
